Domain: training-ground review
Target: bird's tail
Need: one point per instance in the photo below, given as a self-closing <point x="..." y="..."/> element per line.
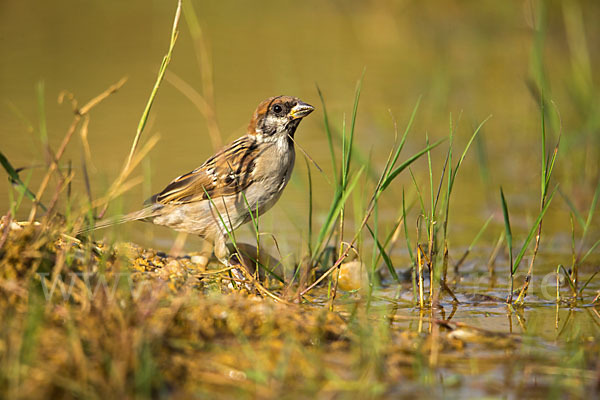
<point x="142" y="214"/>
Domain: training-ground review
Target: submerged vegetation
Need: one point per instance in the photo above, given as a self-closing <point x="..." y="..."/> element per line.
<point x="372" y="306"/>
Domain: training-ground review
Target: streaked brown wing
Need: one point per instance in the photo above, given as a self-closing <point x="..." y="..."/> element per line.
<point x="227" y="172"/>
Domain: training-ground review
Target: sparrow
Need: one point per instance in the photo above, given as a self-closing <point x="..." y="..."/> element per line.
<point x="248" y="175"/>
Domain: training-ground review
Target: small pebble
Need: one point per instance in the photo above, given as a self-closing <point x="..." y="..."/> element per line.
<point x="202" y="260"/>
<point x="353" y="275"/>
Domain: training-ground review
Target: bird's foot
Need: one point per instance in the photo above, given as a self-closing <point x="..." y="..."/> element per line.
<point x="240" y="277"/>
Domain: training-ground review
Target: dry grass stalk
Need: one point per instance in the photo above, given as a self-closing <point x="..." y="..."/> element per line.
<point x="79" y="113"/>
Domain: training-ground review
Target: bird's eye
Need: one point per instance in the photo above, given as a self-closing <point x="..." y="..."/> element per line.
<point x="277" y="109"/>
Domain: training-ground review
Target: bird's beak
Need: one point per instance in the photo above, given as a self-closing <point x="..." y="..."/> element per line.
<point x="301" y="110"/>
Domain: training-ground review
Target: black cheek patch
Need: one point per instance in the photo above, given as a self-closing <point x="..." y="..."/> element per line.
<point x="292" y="126"/>
<point x="268" y="129"/>
<point x="260" y="124"/>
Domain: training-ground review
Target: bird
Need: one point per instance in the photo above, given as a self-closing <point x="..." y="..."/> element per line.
<point x="247" y="175"/>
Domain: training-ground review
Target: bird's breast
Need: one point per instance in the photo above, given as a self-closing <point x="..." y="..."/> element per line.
<point x="271" y="174"/>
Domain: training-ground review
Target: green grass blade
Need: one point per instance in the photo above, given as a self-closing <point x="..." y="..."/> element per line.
<point x="408" y="127"/>
<point x="386" y="257"/>
<point x="330" y="216"/>
<point x="350" y="143"/>
<point x="544" y="160"/>
<point x="449" y="181"/>
<point x="532" y="232"/>
<point x="551" y="163"/>
<point x="568" y="277"/>
<point x="359" y="158"/>
<point x="587" y="282"/>
<point x="464" y="153"/>
<point x="388" y="238"/>
<point x="589" y="251"/>
<point x="336" y="207"/>
<point x="310" y="210"/>
<point x="392" y="175"/>
<point x="161" y="74"/>
<point x="24" y="192"/>
<point x="476" y="239"/>
<point x="229" y="231"/>
<point x="376" y="246"/>
<point x="483" y="163"/>
<point x="407" y="237"/>
<point x="430" y="170"/>
<point x="588" y="220"/>
<point x="576" y="212"/>
<point x="328" y="133"/>
<point x="507" y="229"/>
<point x="344" y="172"/>
<point x="14" y="176"/>
<point x="252" y="216"/>
<point x="419" y="195"/>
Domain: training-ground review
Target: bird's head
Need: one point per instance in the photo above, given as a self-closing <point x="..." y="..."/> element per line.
<point x="278" y="117"/>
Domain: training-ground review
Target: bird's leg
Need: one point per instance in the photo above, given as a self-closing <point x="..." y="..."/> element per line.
<point x="221" y="251"/>
<point x="205" y="254"/>
<point x="238" y="268"/>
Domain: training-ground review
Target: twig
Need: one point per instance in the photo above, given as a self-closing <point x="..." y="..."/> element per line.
<point x="204" y="58"/>
<point x="79" y="113"/>
<point x="202" y="104"/>
<point x="161" y="73"/>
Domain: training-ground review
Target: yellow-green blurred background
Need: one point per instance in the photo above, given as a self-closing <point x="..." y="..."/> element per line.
<point x="471" y="59"/>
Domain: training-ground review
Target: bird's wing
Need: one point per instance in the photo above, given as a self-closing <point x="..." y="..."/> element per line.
<point x="227" y="172"/>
